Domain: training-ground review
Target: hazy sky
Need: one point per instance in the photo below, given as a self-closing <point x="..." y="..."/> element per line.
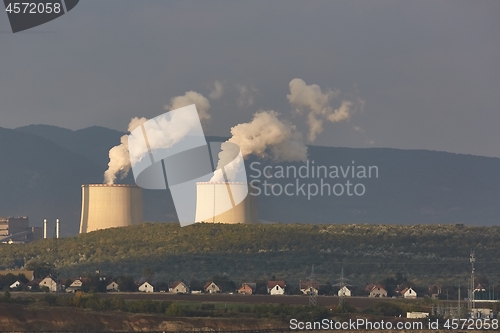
<point x="428" y="71"/>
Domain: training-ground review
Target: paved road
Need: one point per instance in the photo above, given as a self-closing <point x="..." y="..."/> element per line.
<point x="360" y="302"/>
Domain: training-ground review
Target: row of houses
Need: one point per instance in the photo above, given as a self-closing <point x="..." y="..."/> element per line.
<point x="377" y="290"/>
<point x="275" y="287"/>
<point x="176" y="287"/>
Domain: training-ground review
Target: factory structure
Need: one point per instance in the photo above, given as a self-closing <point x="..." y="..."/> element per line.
<point x="110" y="206"/>
<point x="120" y="205"/>
<point x="17" y="230"/>
<point x="231" y="202"/>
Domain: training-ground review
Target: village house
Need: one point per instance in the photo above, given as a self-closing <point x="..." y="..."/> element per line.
<point x="178" y="287"/>
<point x="376" y="290"/>
<point x="146" y="287"/>
<point x="344" y="292"/>
<point x="77" y="285"/>
<point x="52" y="285"/>
<point x="434" y="290"/>
<point x="15" y="285"/>
<point x="276" y="287"/>
<point x="308" y="288"/>
<point x="408" y="293"/>
<point x="212" y="288"/>
<point x="479" y="289"/>
<point x="33" y="284"/>
<point x="247" y="288"/>
<point x="113" y="286"/>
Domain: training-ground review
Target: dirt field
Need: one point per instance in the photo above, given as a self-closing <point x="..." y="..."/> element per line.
<point x="36" y="318"/>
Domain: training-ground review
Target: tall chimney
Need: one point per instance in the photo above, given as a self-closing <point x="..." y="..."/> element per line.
<point x="57" y="228"/>
<point x="44" y="228"/>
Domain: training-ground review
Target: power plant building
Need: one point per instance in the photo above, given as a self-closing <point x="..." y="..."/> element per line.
<point x="18" y="230"/>
<point x="222" y="202"/>
<point x="13" y="225"/>
<point x="110" y="206"/>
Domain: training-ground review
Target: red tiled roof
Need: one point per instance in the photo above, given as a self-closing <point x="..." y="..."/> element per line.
<point x="372" y="286"/>
<point x="175" y="284"/>
<point x="245" y="287"/>
<point x="34" y="282"/>
<point x="208" y="284"/>
<point x="272" y="284"/>
<point x="306" y="285"/>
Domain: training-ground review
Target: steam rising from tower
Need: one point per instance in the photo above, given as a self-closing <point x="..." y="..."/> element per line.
<point x="119" y="159"/>
<point x="266" y="136"/>
<point x="318" y="103"/>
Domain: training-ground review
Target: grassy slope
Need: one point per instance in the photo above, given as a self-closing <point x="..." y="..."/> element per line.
<point x="424" y="253"/>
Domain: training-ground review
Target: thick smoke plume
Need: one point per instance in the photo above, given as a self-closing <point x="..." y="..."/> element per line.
<point x="191" y="97"/>
<point x="267" y="136"/>
<point x="318" y="103"/>
<point x="264" y="136"/>
<point x="120" y="161"/>
<point x="217" y="91"/>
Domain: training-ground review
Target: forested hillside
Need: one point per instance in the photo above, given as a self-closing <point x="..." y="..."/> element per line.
<point x="43" y="168"/>
<point x="422" y="253"/>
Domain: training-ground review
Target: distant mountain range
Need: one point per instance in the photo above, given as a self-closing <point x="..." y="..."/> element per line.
<point x="43" y="167"/>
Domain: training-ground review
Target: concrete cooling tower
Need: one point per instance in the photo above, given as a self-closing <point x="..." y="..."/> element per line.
<point x="225" y="203"/>
<point x="110" y="206"/>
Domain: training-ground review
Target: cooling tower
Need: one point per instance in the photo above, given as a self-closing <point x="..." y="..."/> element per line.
<point x="225" y="203"/>
<point x="110" y="206"/>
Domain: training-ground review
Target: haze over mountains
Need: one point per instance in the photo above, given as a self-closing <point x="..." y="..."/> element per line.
<point x="43" y="167"/>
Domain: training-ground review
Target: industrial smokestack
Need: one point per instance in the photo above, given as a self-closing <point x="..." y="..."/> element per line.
<point x="110" y="206"/>
<point x="44" y="228"/>
<point x="222" y="202"/>
<point x="57" y="228"/>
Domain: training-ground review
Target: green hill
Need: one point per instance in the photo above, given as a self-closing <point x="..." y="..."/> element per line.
<point x="423" y="253"/>
<point x="42" y="168"/>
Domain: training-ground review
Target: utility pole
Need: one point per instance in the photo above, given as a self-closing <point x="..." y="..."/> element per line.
<point x="459" y="312"/>
<point x="311" y="280"/>
<point x="472" y="276"/>
<point x="342" y="287"/>
<point x="55" y="253"/>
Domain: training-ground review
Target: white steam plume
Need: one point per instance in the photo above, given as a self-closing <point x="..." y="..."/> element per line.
<point x="312" y="98"/>
<point x="217" y="91"/>
<point x="264" y="136"/>
<point x="246" y="96"/>
<point x="267" y="136"/>
<point x="191" y="97"/>
<point x="120" y="160"/>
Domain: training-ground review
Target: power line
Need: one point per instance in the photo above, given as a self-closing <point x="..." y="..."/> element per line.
<point x="312" y="287"/>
